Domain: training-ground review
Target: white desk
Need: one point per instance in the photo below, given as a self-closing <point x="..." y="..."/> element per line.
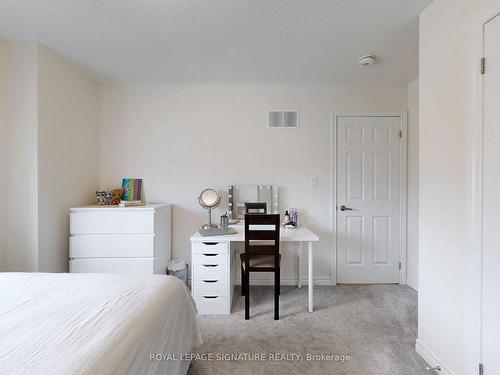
<point x="211" y="278"/>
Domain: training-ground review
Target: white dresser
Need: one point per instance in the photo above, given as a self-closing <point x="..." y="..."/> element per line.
<point x="113" y="239"/>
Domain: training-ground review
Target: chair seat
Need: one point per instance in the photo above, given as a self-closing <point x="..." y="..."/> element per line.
<point x="260" y="261"/>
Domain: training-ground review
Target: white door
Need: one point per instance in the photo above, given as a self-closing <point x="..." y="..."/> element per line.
<point x="368" y="199"/>
<point x="491" y="201"/>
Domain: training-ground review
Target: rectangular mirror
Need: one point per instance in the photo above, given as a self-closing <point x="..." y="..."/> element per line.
<point x="240" y="194"/>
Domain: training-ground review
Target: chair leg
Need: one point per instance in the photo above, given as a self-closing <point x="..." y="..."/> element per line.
<point x="242" y="281"/>
<point x="277" y="294"/>
<point x="247" y="295"/>
<point x="279" y="288"/>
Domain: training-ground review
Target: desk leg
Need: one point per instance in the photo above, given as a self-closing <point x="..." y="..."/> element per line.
<point x="299" y="271"/>
<point x="310" y="275"/>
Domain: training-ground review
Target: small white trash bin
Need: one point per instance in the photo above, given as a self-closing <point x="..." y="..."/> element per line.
<point x="178" y="268"/>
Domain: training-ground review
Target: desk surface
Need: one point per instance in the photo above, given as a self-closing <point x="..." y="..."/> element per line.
<point x="300" y="234"/>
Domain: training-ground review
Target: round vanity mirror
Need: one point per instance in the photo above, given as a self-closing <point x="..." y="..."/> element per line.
<point x="209" y="199"/>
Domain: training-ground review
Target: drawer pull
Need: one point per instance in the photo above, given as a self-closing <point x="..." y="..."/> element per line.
<point x="210" y="297"/>
<point x="210" y="255"/>
<point x="210" y="281"/>
<point x="210" y="243"/>
<point x="210" y="265"/>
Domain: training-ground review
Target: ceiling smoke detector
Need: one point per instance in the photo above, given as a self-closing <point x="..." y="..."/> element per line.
<point x="366" y="61"/>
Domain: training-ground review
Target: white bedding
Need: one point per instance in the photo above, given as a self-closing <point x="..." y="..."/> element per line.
<point x="94" y="323"/>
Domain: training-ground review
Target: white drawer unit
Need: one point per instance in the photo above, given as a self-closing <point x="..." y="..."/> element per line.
<point x="112" y="245"/>
<point x="211" y="277"/>
<point x="210" y="248"/>
<point x="209" y="287"/>
<point x="212" y="304"/>
<point x="210" y="271"/>
<point x="111" y="239"/>
<point x="141" y="266"/>
<point x="209" y="258"/>
<point x="112" y="221"/>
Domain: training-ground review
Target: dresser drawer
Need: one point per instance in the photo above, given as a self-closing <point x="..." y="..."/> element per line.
<point x="144" y="266"/>
<point x="210" y="258"/>
<point x="111" y="222"/>
<point x="210" y="288"/>
<point x="111" y="245"/>
<point x="210" y="271"/>
<point x="212" y="304"/>
<point x="210" y="247"/>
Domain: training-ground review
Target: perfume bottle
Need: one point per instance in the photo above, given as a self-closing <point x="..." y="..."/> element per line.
<point x="294" y="217"/>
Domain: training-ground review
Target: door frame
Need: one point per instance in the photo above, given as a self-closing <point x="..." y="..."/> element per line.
<point x="403" y="159"/>
<point x="475" y="247"/>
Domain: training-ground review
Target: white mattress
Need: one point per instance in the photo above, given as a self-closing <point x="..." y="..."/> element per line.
<point x="94" y="323"/>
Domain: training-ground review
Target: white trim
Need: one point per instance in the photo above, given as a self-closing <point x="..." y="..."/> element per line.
<point x="368" y="113"/>
<point x="333" y="194"/>
<point x="403" y="115"/>
<point x="431" y="359"/>
<point x="403" y="201"/>
<point x="475" y="127"/>
<point x="412" y="287"/>
<point x="285" y="282"/>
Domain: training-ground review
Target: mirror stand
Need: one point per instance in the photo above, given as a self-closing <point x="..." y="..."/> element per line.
<point x="209" y="225"/>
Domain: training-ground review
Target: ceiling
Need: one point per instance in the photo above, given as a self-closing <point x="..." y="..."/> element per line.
<point x="225" y="41"/>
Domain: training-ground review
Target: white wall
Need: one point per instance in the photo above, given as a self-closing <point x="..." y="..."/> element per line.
<point x="182" y="139"/>
<point x="444" y="74"/>
<point x="413" y="170"/>
<point x="51" y="147"/>
<point x="19" y="200"/>
<point x="68" y="152"/>
<point x="49" y="112"/>
<point x="4" y="72"/>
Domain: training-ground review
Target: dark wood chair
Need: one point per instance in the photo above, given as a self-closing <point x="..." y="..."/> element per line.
<point x="256" y="207"/>
<point x="262" y="254"/>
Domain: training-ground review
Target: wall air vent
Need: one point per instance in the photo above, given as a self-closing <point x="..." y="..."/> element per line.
<point x="283" y="119"/>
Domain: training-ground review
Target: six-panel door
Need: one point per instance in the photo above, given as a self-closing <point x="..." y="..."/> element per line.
<point x="368" y="185"/>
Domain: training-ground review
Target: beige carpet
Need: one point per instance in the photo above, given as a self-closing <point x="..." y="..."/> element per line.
<point x="376" y="325"/>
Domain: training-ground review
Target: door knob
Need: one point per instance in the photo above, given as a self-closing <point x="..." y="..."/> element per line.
<point x="344" y="208"/>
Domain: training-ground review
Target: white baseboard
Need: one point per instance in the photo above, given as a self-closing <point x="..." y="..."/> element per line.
<point x="431" y="359"/>
<point x="285" y="282"/>
<point x="413" y="287"/>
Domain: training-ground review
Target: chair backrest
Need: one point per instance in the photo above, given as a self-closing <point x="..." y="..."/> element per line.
<point x="262" y="235"/>
<point x="256" y="207"/>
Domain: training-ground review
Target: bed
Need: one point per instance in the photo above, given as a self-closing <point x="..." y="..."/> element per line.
<point x="95" y="324"/>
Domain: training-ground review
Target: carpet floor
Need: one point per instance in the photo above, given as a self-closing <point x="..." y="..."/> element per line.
<point x="354" y="330"/>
